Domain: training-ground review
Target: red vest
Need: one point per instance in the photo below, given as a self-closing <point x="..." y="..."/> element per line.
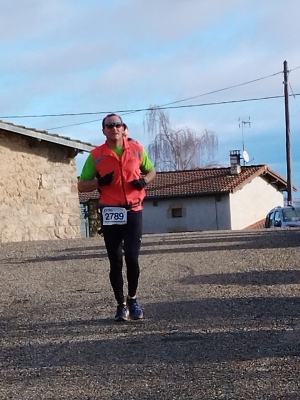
<point x="126" y="169"/>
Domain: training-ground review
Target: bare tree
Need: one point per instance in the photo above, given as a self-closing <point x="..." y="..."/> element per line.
<point x="180" y="149"/>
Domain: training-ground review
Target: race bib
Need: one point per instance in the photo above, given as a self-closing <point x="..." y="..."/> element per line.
<point x="114" y="216"/>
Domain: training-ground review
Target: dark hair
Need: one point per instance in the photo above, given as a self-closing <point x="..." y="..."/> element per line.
<point x="111" y="115"/>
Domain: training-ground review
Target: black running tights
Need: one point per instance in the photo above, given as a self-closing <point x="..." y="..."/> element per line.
<point x="129" y="238"/>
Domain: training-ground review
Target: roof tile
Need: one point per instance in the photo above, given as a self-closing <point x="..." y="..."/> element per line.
<point x="205" y="181"/>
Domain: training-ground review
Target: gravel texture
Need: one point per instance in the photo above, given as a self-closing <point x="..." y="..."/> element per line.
<point x="222" y="319"/>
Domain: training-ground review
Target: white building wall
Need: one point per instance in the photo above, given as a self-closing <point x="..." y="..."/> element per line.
<point x="199" y="213"/>
<point x="253" y="202"/>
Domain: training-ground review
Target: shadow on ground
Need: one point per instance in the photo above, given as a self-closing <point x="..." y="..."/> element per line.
<point x="189" y="332"/>
<point x="269" y="278"/>
<point x="189" y="243"/>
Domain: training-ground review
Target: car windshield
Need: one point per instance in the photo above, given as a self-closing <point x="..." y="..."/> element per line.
<point x="291" y="214"/>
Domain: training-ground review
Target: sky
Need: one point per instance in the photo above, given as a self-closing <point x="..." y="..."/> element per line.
<point x="93" y="57"/>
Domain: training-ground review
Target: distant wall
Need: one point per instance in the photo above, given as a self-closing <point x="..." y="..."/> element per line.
<point x="38" y="190"/>
<point x="198" y="213"/>
<point x="253" y="202"/>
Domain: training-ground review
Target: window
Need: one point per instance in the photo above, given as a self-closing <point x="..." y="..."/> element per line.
<point x="277" y="216"/>
<point x="270" y="220"/>
<point x="176" y="212"/>
<point x="277" y="219"/>
<point x="291" y="214"/>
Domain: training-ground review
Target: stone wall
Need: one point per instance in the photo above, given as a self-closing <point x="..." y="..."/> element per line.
<point x="38" y="190"/>
<point x="94" y="217"/>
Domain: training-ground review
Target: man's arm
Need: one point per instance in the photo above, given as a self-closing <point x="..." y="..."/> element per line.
<point x="88" y="182"/>
<point x="147" y="168"/>
<point x="150" y="176"/>
<point x="87" y="185"/>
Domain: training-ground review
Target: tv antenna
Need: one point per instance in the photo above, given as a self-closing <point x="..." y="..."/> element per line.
<point x="242" y="123"/>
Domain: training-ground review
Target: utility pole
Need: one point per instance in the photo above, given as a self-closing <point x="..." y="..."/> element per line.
<point x="288" y="135"/>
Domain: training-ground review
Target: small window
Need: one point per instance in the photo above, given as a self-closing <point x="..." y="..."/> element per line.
<point x="176" y="212"/>
<point x="269" y="220"/>
<point x="277" y="217"/>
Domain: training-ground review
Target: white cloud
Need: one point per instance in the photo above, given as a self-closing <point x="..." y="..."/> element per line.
<point x="99" y="55"/>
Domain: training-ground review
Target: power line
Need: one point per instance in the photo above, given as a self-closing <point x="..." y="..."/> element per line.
<point x="182" y="106"/>
<point x="138" y="110"/>
<point x="53" y="115"/>
<point x="226" y="88"/>
<point x="294" y="96"/>
<point x="142" y="109"/>
<point x="162" y="107"/>
<point x="218" y="90"/>
<point x="294" y="69"/>
<point x="179" y="101"/>
<point x="79" y="123"/>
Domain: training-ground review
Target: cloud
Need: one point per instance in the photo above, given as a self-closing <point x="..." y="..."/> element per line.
<point x="75" y="56"/>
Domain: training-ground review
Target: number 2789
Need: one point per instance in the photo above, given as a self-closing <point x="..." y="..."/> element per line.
<point x="114" y="216"/>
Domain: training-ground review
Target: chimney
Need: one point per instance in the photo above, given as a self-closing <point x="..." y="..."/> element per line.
<point x="235" y="162"/>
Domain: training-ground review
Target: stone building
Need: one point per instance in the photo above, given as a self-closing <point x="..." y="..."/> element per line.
<point x="38" y="184"/>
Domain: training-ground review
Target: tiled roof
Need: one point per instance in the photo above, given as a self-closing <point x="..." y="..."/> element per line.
<point x="257" y="225"/>
<point x="208" y="181"/>
<point x="203" y="181"/>
<point x="85" y="196"/>
<point x="45" y="135"/>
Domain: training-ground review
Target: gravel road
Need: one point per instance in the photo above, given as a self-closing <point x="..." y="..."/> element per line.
<point x="222" y="319"/>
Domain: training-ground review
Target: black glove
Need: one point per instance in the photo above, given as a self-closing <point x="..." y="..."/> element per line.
<point x="139" y="184"/>
<point x="105" y="180"/>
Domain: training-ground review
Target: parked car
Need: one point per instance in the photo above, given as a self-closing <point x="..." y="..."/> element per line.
<point x="281" y="217"/>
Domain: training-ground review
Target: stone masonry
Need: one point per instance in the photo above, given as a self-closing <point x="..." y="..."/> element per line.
<point x="38" y="190"/>
<point x="94" y="217"/>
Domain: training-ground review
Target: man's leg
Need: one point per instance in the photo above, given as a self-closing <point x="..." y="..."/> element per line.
<point x="113" y="239"/>
<point x="132" y="245"/>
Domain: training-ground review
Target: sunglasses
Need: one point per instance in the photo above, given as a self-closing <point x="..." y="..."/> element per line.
<point x="112" y="125"/>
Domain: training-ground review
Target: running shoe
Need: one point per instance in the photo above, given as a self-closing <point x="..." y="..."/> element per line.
<point x="122" y="313"/>
<point x="135" y="311"/>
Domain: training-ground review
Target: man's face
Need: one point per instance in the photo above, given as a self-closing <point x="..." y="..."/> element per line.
<point x="113" y="129"/>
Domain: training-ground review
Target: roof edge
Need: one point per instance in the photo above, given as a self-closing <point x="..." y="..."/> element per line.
<point x="46" y="136"/>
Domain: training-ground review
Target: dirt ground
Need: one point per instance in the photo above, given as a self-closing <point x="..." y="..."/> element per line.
<point x="222" y="319"/>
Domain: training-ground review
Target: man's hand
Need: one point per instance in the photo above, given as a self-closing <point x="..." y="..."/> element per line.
<point x="139" y="184"/>
<point x="105" y="180"/>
